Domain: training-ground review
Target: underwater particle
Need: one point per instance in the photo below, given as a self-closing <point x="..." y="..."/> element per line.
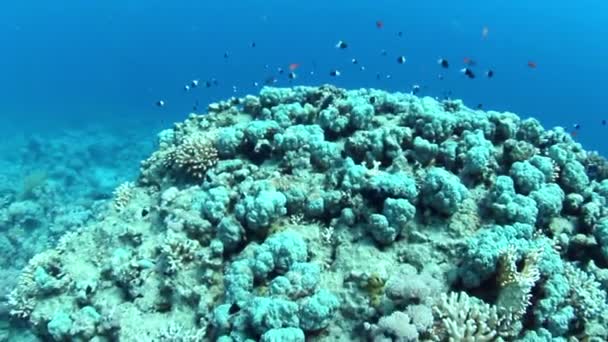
<point x="294" y="66"/>
<point x="354" y="61"/>
<point x="468" y="61"/>
<point x="440" y="77"/>
<point x="252" y="44"/>
<point x="362" y="68"/>
<point x="379" y="24"/>
<point x="334" y="73"/>
<point x="484" y="32"/>
<point x="194" y="83"/>
<point x="160" y="103"/>
<point x="443" y="62"/>
<point x="215" y="82"/>
<point x="256" y="84"/>
<point x="341" y="45"/>
<point x="467" y="72"/>
<point x="226" y="54"/>
<point x="401" y="59"/>
<point x="388" y="76"/>
<point x="490" y="73"/>
<point x="532" y="65"/>
<point x="292" y="75"/>
<point x="415" y="89"/>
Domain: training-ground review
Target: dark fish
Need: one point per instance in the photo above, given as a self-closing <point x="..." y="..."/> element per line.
<point x="479" y="105"/>
<point x="577" y="126"/>
<point x="604" y="122"/>
<point x="378" y="76"/>
<point x="379" y="24"/>
<point x="280" y="70"/>
<point x="354" y="61"/>
<point x="187" y="87"/>
<point x="401" y="59"/>
<point x="468" y="72"/>
<point x="208" y="84"/>
<point x="415" y="89"/>
<point x="292" y="75"/>
<point x="253" y="44"/>
<point x="443" y="62"/>
<point x="372" y="99"/>
<point x="400" y="34"/>
<point x="160" y="103"/>
<point x="341" y="45"/>
<point x="194" y="83"/>
<point x="215" y="82"/>
<point x="490" y="73"/>
<point x="334" y="73"/>
<point x="226" y="54"/>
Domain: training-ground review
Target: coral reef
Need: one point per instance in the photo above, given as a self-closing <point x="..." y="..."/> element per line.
<point x="324" y="214"/>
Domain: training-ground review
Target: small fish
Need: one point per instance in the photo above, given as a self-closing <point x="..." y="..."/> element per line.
<point x="443" y="62"/>
<point x="270" y="80"/>
<point x="354" y="61"/>
<point x="388" y="76"/>
<point x="468" y="61"/>
<point x="415" y="89"/>
<point x="253" y="44"/>
<point x="280" y="70"/>
<point x="187" y="87"/>
<point x="234" y="89"/>
<point x="256" y="84"/>
<point x="208" y="84"/>
<point x="440" y="77"/>
<point x="341" y="45"/>
<point x="160" y="103"/>
<point x="383" y="53"/>
<point x="532" y="65"/>
<point x="401" y="59"/>
<point x="293" y="66"/>
<point x="479" y="105"/>
<point x="490" y="73"/>
<point x="215" y="82"/>
<point x="194" y="83"/>
<point x="399" y="34"/>
<point x="292" y="75"/>
<point x="604" y="122"/>
<point x="334" y="73"/>
<point x="379" y="24"/>
<point x="226" y="54"/>
<point x="372" y="99"/>
<point x="577" y="126"/>
<point x="362" y="68"/>
<point x="467" y="72"/>
<point x="378" y="76"/>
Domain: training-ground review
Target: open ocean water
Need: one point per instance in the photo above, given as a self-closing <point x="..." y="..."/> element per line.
<point x="81" y="86"/>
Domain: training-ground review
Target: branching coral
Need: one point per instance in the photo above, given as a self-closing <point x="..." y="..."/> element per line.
<point x="194" y="156"/>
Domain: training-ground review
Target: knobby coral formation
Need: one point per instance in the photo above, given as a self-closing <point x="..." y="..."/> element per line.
<point x="317" y="213"/>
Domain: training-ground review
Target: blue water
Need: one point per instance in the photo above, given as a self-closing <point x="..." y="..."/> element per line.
<point x="71" y="63"/>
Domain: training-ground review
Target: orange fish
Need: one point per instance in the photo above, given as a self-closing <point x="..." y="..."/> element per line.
<point x="469" y="61"/>
<point x="532" y="64"/>
<point x="573" y="133"/>
<point x="293" y="66"/>
<point x="379" y="24"/>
